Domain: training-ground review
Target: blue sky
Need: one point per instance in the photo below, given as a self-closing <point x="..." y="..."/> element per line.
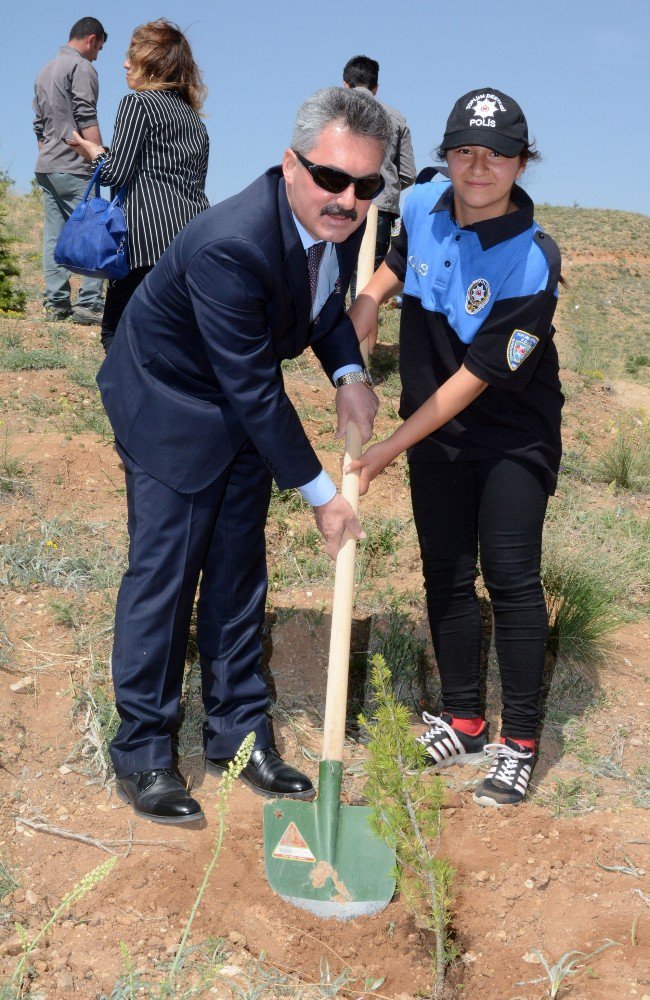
<point x="575" y="66"/>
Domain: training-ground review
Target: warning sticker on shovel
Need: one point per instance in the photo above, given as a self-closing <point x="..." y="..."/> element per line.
<point x="292" y="845"/>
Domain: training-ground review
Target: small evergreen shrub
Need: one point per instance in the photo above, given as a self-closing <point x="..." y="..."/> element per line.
<point x="11" y="299"/>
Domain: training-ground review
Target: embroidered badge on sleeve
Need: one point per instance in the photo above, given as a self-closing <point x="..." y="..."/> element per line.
<point x="519" y="347"/>
<point x="478" y="295"/>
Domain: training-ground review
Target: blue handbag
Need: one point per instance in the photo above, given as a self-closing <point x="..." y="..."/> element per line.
<point x="94" y="240"/>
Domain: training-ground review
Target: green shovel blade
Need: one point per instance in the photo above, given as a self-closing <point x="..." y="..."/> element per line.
<point x="323" y="856"/>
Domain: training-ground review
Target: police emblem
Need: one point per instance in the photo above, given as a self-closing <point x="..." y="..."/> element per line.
<point x="519" y="347"/>
<point x="478" y="295"/>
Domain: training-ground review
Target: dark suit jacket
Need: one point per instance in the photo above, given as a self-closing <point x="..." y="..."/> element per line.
<point x="195" y="365"/>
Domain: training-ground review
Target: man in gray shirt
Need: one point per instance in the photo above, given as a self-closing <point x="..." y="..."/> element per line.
<point x="65" y="99"/>
<point x="398" y="168"/>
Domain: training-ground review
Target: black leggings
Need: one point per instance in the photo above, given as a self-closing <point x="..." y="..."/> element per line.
<point x="498" y="506"/>
<point x="118" y="294"/>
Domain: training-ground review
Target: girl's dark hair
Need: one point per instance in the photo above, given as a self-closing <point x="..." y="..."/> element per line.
<point x="529" y="153"/>
<point x="161" y="59"/>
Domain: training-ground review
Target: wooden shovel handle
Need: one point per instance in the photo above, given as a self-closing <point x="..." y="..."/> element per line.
<point x="339" y="657"/>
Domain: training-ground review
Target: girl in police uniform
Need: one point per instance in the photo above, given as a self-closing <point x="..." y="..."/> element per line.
<point x="481" y="403"/>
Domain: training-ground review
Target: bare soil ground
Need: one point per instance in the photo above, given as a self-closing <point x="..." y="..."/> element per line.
<point x="532" y="877"/>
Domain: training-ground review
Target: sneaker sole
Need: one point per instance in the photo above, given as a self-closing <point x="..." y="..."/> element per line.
<point x="487" y="800"/>
<point x="165" y="820"/>
<point x="309" y="793"/>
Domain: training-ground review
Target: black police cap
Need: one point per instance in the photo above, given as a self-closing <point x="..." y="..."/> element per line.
<point x="487" y="117"/>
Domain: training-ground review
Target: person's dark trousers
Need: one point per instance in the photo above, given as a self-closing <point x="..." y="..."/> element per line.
<point x="118" y="294"/>
<point x="218" y="535"/>
<point x="382" y="245"/>
<point x="384" y="226"/>
<point x="498" y="507"/>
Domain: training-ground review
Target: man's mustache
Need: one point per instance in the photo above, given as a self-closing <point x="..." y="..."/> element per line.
<point x="340" y="213"/>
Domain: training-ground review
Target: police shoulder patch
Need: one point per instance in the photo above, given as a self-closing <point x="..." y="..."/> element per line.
<point x="520" y="345"/>
<point x="478" y="296"/>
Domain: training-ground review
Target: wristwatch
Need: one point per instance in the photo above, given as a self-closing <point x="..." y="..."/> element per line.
<point x="362" y="376"/>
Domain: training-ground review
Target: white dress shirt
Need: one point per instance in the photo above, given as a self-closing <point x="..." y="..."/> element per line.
<point x="322" y="489"/>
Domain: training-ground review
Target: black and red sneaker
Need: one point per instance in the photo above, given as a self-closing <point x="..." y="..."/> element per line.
<point x="507" y="779"/>
<point x="447" y="746"/>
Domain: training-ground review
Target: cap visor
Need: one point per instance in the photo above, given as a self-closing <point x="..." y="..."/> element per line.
<point x="484" y="137"/>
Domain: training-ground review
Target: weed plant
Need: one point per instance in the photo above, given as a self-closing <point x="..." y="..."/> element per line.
<point x="64" y="554"/>
<point x="8" y="884"/>
<point x="83" y="371"/>
<point x="13" y="988"/>
<point x="609" y="544"/>
<point x="8" y="881"/>
<point x="97" y="718"/>
<point x="399" y="639"/>
<point x="16" y="358"/>
<point x="625" y="463"/>
<point x="406" y="813"/>
<point x="13" y="477"/>
<point x="6" y="647"/>
<point x="567" y="965"/>
<point x="380" y="546"/>
<point x="69" y="614"/>
<point x="570" y="797"/>
<point x="580" y="609"/>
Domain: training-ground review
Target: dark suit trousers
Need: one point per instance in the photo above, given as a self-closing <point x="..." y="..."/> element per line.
<point x="216" y="535"/>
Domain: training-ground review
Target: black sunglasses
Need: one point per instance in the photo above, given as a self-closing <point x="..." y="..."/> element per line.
<point x="336" y="181"/>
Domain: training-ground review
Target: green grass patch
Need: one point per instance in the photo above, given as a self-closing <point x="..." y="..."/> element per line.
<point x="625" y="462"/>
<point x="13" y="475"/>
<point x="14" y="357"/>
<point x="610" y="541"/>
<point x="580" y="608"/>
<point x="570" y="797"/>
<point x="70" y="555"/>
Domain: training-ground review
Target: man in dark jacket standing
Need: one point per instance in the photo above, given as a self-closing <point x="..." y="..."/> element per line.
<point x="194" y="391"/>
<point x="398" y="168"/>
<point x="65" y="100"/>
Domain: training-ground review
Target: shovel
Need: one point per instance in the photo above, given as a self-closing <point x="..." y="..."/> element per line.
<point x="322" y="855"/>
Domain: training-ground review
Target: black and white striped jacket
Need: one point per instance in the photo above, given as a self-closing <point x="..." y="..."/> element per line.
<point x="160" y="149"/>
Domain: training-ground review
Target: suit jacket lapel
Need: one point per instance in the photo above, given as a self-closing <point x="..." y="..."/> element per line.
<point x="295" y="264"/>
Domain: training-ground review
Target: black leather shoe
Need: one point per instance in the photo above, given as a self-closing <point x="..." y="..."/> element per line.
<point x="159" y="795"/>
<point x="267" y="774"/>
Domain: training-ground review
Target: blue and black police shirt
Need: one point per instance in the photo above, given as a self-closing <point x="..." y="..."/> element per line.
<point x="483" y="296"/>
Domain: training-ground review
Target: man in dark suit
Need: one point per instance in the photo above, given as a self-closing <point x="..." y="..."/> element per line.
<point x="193" y="388"/>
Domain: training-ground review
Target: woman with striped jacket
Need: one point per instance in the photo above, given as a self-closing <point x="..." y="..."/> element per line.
<point x="159" y="150"/>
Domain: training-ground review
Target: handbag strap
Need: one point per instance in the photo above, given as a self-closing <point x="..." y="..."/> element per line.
<point x="93" y="180"/>
<point x="119" y="197"/>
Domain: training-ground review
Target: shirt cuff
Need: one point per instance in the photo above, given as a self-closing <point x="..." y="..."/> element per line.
<point x="319" y="491"/>
<point x="345" y="370"/>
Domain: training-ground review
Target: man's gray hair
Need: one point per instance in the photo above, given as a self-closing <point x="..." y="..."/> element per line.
<point x="356" y="110"/>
